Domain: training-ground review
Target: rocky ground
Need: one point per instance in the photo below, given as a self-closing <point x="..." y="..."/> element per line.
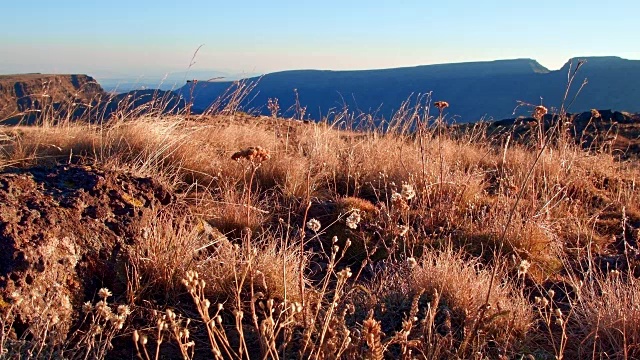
<point x="65" y="232"/>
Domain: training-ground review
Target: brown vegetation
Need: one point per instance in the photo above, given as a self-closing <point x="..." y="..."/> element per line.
<point x="291" y="240"/>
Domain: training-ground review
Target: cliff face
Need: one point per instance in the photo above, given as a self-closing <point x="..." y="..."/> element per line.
<point x="24" y="96"/>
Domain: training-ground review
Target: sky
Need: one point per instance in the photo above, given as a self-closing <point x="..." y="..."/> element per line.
<point x="137" y="38"/>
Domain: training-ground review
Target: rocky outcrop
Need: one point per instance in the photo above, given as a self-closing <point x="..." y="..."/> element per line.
<point x="615" y="131"/>
<point x="65" y="232"/>
<point x="27" y="96"/>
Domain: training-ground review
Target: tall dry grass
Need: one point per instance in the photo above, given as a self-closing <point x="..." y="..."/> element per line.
<point x="429" y="244"/>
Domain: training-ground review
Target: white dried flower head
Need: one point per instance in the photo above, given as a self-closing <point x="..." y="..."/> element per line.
<point x="117" y="322"/>
<point x="408" y="192"/>
<point x="412" y="262"/>
<point x="102" y="309"/>
<point x="124" y="310"/>
<point x="523" y="267"/>
<point x="104" y="293"/>
<point x="345" y="274"/>
<point x="87" y="307"/>
<point x="551" y="293"/>
<point x="559" y="321"/>
<point x="314" y="225"/>
<point x="353" y="219"/>
<point x="395" y="197"/>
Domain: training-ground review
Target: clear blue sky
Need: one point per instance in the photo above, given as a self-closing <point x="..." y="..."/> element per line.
<point x="141" y="37"/>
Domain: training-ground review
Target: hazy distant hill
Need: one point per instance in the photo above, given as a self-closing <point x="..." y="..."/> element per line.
<point x="474" y="90"/>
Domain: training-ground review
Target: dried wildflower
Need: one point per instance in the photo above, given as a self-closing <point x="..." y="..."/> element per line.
<point x="124" y="310"/>
<point x="402" y="230"/>
<point x="614" y="272"/>
<point x="273" y="106"/>
<point x="353" y="219"/>
<point x="441" y="105"/>
<point x="347" y="243"/>
<point x="102" y="309"/>
<point x="412" y="262"/>
<point x="408" y="192"/>
<point x="539" y="112"/>
<point x="399" y="202"/>
<point x="255" y="154"/>
<point x="16" y="298"/>
<point x="87" y="307"/>
<point x="104" y="293"/>
<point x="595" y="114"/>
<point x="345" y="274"/>
<point x="371" y="334"/>
<point x="558" y="312"/>
<point x="541" y="301"/>
<point x="314" y="225"/>
<point x="117" y="321"/>
<point x="523" y="268"/>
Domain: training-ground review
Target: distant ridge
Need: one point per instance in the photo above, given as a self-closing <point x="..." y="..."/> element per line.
<point x="475" y="90"/>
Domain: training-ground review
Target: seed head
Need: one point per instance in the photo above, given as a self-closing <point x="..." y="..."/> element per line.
<point x="408" y="192"/>
<point x="314" y="225"/>
<point x="104" y="293"/>
<point x="255" y="154"/>
<point x="441" y="105"/>
<point x="523" y="268"/>
<point x="123" y="310"/>
<point x="539" y="112"/>
<point x="353" y="219"/>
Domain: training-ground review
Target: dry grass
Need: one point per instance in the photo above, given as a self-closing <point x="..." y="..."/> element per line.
<point x="435" y="229"/>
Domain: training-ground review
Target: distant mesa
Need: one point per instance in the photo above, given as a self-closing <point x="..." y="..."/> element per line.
<point x="475" y="90"/>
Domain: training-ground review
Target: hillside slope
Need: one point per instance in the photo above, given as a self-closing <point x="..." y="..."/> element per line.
<point x="475" y="90"/>
<point x="25" y="93"/>
<point x="29" y="98"/>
